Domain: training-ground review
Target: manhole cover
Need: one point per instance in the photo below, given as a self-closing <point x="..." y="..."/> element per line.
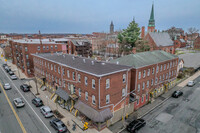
<point x="164" y="117"/>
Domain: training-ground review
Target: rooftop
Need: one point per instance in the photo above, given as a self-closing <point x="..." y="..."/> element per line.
<point x="37" y="41"/>
<point x="144" y="58"/>
<point x="161" y="38"/>
<point x="85" y="65"/>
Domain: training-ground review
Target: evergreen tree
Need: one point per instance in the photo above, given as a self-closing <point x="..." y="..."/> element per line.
<point x="128" y="37"/>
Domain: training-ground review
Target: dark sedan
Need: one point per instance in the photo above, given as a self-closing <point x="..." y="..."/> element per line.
<point x="136" y="125"/>
<point x="25" y="87"/>
<point x="37" y="102"/>
<point x="176" y="94"/>
<point x="58" y="125"/>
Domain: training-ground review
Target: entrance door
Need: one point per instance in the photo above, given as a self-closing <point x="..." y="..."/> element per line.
<point x="72" y="89"/>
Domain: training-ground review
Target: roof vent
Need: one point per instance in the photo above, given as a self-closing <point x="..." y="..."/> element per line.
<point x="92" y="62"/>
<point x="102" y="63"/>
<point x="117" y="62"/>
<point x="73" y="57"/>
<point x="95" y="58"/>
<point x="84" y="60"/>
<point x="106" y="60"/>
<point x="64" y="56"/>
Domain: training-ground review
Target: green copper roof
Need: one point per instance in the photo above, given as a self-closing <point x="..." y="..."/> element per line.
<point x="151" y="20"/>
<point x="144" y="58"/>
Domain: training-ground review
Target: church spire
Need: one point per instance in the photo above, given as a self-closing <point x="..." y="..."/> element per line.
<point x="151" y="25"/>
<point x="152" y="20"/>
<point x="111" y="27"/>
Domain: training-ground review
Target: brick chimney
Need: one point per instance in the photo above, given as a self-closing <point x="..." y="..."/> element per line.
<point x="134" y="50"/>
<point x="143" y="32"/>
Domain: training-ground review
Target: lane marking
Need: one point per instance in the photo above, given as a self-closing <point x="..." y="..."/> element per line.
<point x="11" y="106"/>
<point x="26" y="101"/>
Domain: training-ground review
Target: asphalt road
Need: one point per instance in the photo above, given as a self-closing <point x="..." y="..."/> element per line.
<point x="176" y="115"/>
<point x="30" y="116"/>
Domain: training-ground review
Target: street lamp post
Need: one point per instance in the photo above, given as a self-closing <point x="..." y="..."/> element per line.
<point x="37" y="93"/>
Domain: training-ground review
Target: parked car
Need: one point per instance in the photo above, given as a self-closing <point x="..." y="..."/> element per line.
<point x="25" y="87"/>
<point x="136" y="125"/>
<point x="37" y="102"/>
<point x="11" y="73"/>
<point x="46" y="111"/>
<point x="190" y="83"/>
<point x="19" y="102"/>
<point x="4" y="65"/>
<point x="7" y="86"/>
<point x="58" y="125"/>
<point x="7" y="69"/>
<point x="176" y="94"/>
<point x="13" y="77"/>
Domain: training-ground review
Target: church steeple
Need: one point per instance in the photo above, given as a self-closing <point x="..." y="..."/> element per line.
<point x="151" y="26"/>
<point x="111" y="27"/>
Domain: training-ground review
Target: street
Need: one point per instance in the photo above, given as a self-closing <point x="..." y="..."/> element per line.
<point x="176" y="115"/>
<point x="30" y="116"/>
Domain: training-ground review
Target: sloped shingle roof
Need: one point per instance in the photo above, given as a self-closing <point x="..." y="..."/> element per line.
<point x="161" y="38"/>
<point x="144" y="58"/>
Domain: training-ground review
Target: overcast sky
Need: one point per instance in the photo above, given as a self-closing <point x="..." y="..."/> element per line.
<point x="87" y="16"/>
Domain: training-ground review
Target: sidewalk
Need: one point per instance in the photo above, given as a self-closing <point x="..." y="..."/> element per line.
<point x="45" y="96"/>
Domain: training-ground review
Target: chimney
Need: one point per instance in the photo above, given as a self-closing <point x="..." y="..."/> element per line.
<point x="117" y="62"/>
<point x="143" y="32"/>
<point x="51" y="52"/>
<point x="84" y="60"/>
<point x="134" y="50"/>
<point x="73" y="57"/>
<point x="92" y="62"/>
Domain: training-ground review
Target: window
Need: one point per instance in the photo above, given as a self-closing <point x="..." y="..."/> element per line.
<point x="173" y="63"/>
<point x="45" y="64"/>
<point x="156" y="80"/>
<point x="56" y="46"/>
<point x="52" y="78"/>
<point x="56" y="79"/>
<point x="172" y="73"/>
<point x="63" y="71"/>
<point x="38" y="48"/>
<point x="160" y="78"/>
<point x="161" y="68"/>
<point x="51" y="47"/>
<point x="59" y="70"/>
<point x="51" y="67"/>
<point x="55" y="68"/>
<point x="107" y="83"/>
<point x="26" y="56"/>
<point x="142" y="98"/>
<point x="169" y="74"/>
<point x="166" y="75"/>
<point x="139" y="76"/>
<point x="68" y="86"/>
<point x="74" y="89"/>
<point x="47" y="47"/>
<point x="86" y="80"/>
<point x="164" y="66"/>
<point x="151" y="82"/>
<point x="48" y="65"/>
<point x="79" y="92"/>
<point x="144" y="73"/>
<point x="146" y="96"/>
<point x="43" y="47"/>
<point x="167" y="65"/>
<point x="64" y="84"/>
<point x="138" y="87"/>
<point x="170" y="64"/>
<point x="27" y="64"/>
<point x="123" y="92"/>
<point x="137" y="101"/>
<point x="143" y="85"/>
<point x="59" y="82"/>
<point x="148" y="73"/>
<point x="124" y="78"/>
<point x="148" y="84"/>
<point x="93" y="83"/>
<point x="163" y="76"/>
<point x="157" y="69"/>
<point x="73" y="75"/>
<point x="153" y="70"/>
<point x="86" y="96"/>
<point x="68" y="74"/>
<point x="26" y="49"/>
<point x="29" y="71"/>
<point x="93" y="99"/>
<point x="79" y="78"/>
<point x="107" y="99"/>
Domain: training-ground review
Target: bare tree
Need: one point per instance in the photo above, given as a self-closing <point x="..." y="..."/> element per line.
<point x="193" y="30"/>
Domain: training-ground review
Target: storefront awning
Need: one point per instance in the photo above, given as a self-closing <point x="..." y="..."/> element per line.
<point x="62" y="93"/>
<point x="93" y="114"/>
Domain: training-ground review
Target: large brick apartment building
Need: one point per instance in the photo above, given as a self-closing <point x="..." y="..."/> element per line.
<point x="22" y="50"/>
<point x="152" y="74"/>
<point x="91" y="89"/>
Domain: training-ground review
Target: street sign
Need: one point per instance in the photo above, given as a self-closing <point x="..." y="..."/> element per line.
<point x="5" y="60"/>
